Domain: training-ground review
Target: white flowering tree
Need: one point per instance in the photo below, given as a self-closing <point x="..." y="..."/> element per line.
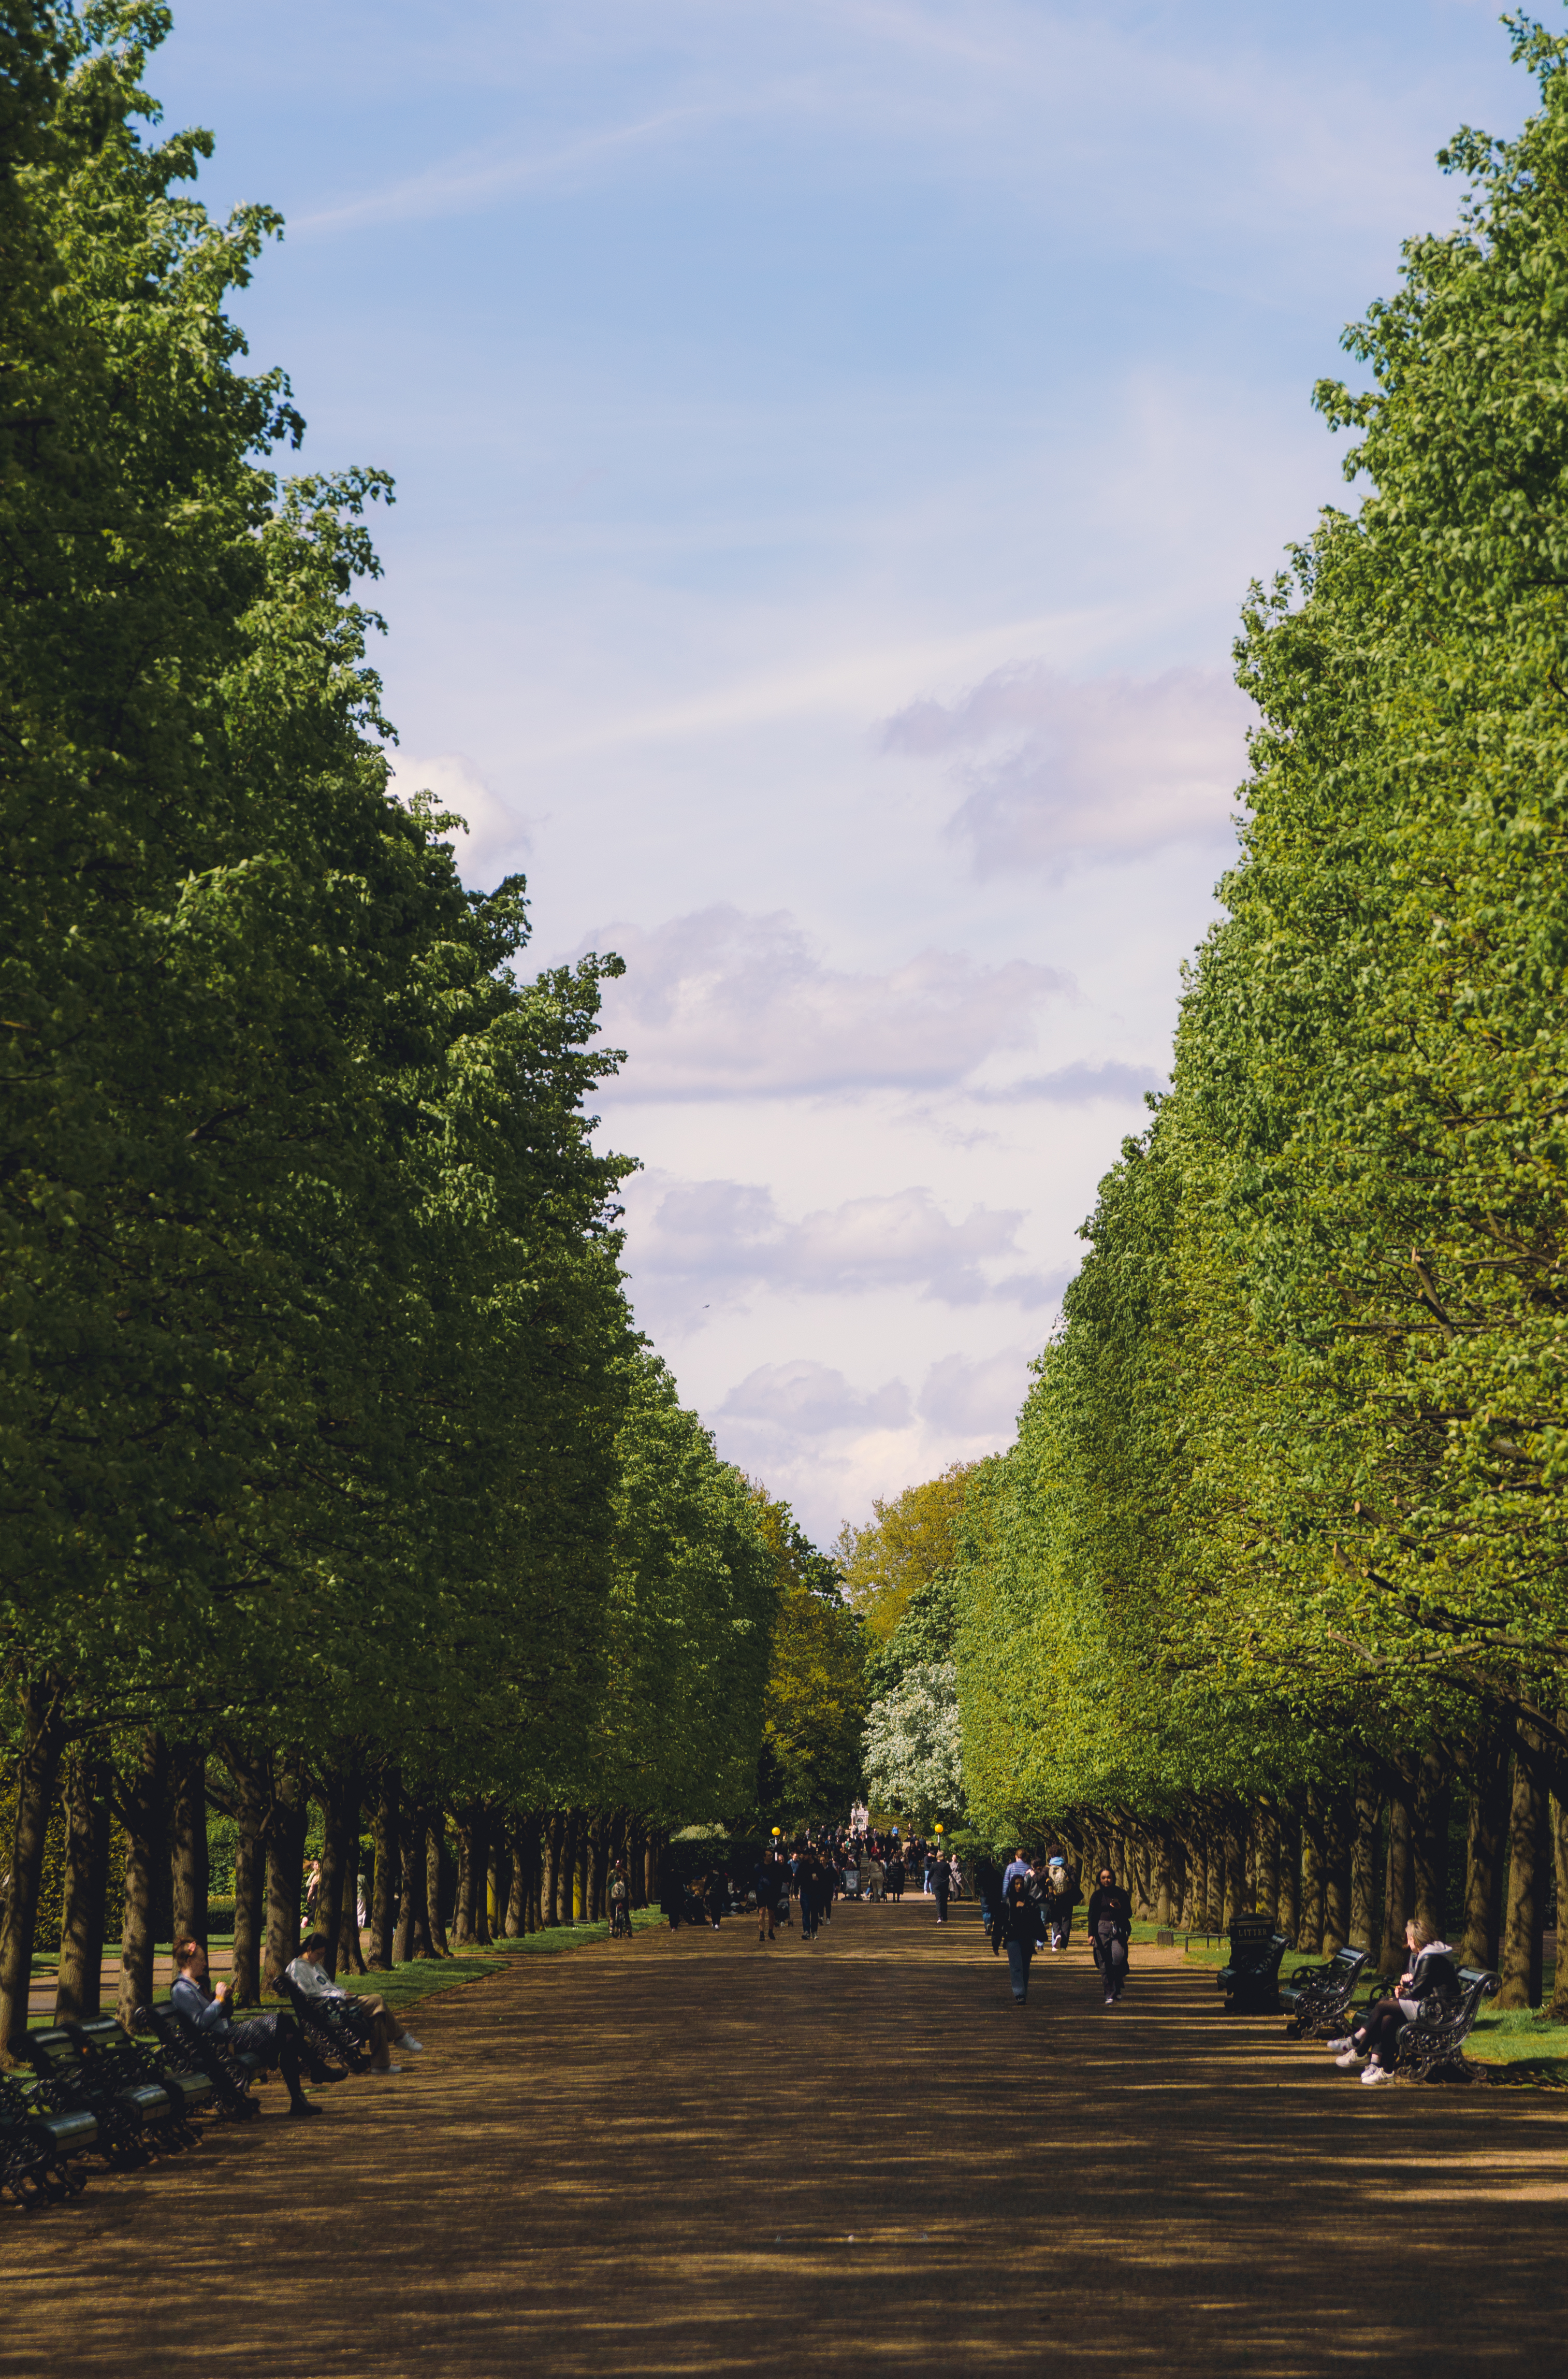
<point x="913" y="1756"/>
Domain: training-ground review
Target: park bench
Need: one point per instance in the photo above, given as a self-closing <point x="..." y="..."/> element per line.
<point x="1250" y="1979"/>
<point x="185" y="2048"/>
<point x="129" y="2064"/>
<point x="1432" y="2042"/>
<point x="72" y="2082"/>
<point x="38" y="2149"/>
<point x="335" y="2032"/>
<point x="1319" y="1997"/>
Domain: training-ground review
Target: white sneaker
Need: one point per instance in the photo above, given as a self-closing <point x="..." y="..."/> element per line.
<point x="1377" y="2073"/>
<point x="1351" y="2061"/>
<point x="408" y="2042"/>
<point x="1338" y="2047"/>
<point x="393" y="2067"/>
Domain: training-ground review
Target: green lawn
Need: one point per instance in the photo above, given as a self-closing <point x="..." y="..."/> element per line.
<point x="421" y="1976"/>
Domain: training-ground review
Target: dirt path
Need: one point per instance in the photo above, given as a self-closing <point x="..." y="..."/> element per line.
<point x="694" y="2156"/>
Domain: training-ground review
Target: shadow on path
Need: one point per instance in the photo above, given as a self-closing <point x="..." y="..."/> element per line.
<point x="692" y="2155"/>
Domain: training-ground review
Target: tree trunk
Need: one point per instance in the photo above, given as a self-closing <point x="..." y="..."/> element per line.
<point x="289" y="1821"/>
<point x="555" y="1837"/>
<point x="253" y="1786"/>
<point x="1486" y="1842"/>
<point x="38" y="1772"/>
<point x="384" y="1883"/>
<point x="1309" y="1914"/>
<point x="464" y="1920"/>
<point x="147" y="1849"/>
<point x="516" y="1919"/>
<point x="1560" y="1858"/>
<point x="1339" y="1838"/>
<point x="414" y="1909"/>
<point x="496" y="1897"/>
<point x="1428" y="1847"/>
<point x="436" y="1870"/>
<point x="1165" y="1887"/>
<point x="1364" y="1928"/>
<point x="599" y="1872"/>
<point x="78" y="1994"/>
<point x="1266" y="1861"/>
<point x="1519" y="1963"/>
<point x="340" y="1816"/>
<point x="1290" y="1875"/>
<point x="350" y="1955"/>
<point x="483" y="1828"/>
<point x="188" y="1843"/>
<point x="1398" y="1881"/>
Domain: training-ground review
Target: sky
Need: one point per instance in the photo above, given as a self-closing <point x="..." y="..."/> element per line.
<point x="833" y="441"/>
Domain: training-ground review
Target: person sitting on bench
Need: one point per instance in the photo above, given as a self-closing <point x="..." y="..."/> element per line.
<point x="271" y="2039"/>
<point x="382" y="2028"/>
<point x="1370" y="2047"/>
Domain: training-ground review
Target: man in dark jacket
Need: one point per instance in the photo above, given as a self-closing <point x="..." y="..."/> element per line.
<point x="1110" y="1928"/>
<point x="271" y="2039"/>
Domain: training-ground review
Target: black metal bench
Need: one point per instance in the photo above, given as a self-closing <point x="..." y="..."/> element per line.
<point x="1319" y="1998"/>
<point x="185" y="2048"/>
<point x="123" y="2063"/>
<point x="38" y="2149"/>
<point x="70" y="2082"/>
<point x="1432" y="2042"/>
<point x="1251" y="1980"/>
<point x="335" y="2032"/>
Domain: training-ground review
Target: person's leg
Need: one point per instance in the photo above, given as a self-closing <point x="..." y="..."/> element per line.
<point x="1018" y="1970"/>
<point x="1115" y="1973"/>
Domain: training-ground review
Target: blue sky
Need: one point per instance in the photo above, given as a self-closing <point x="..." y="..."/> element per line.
<point x="832" y="443"/>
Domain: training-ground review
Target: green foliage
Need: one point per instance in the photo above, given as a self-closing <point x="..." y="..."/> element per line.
<point x="1289" y="1491"/>
<point x="813" y="1739"/>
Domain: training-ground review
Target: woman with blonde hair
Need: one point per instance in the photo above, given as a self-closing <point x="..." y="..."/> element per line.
<point x="1368" y="2048"/>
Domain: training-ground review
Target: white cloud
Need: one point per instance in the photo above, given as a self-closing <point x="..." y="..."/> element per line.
<point x="493" y="840"/>
<point x="722" y="1003"/>
<point x="1059" y="771"/>
<point x="729" y="1238"/>
<point x="981" y="1399"/>
<point x="807" y="1399"/>
<point x="828" y="1447"/>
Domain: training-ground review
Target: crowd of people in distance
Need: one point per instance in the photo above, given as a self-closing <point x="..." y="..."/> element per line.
<point x="823" y="1866"/>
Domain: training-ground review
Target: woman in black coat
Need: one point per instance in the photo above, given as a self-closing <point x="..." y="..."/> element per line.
<point x="1110" y="1929"/>
<point x="1018" y="1923"/>
<point x="1370" y="2047"/>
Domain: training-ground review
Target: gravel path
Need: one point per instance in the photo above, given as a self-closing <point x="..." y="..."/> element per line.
<point x="695" y="2155"/>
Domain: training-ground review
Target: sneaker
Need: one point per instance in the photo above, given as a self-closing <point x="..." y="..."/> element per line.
<point x="1110" y="2000"/>
<point x="409" y="2043"/>
<point x="1377" y="2073"/>
<point x="1350" y="2061"/>
<point x="1338" y="2047"/>
<point x="393" y="2067"/>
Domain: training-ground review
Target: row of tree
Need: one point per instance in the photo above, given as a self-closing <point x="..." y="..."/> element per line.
<point x="1278" y="1566"/>
<point x="334" y="1471"/>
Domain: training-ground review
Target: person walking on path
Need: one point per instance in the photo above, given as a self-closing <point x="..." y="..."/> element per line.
<point x="941" y="1883"/>
<point x="767" y="1897"/>
<point x="620" y="1904"/>
<point x="1061" y="1898"/>
<point x="1019" y="1925"/>
<point x="718" y="1897"/>
<point x="810" y="1905"/>
<point x="1110" y="1929"/>
<point x="895" y="1878"/>
<point x="988" y="1886"/>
